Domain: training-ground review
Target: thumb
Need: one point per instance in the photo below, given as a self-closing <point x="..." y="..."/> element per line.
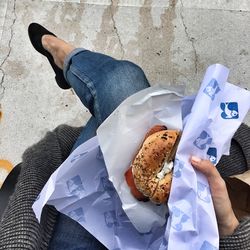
<point x="205" y="167"/>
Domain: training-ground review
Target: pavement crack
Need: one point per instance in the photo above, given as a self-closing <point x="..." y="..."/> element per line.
<point x="115" y="28"/>
<point x="191" y="39"/>
<point x="2" y="88"/>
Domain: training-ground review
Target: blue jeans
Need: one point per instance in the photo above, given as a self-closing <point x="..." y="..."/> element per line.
<point x="102" y="83"/>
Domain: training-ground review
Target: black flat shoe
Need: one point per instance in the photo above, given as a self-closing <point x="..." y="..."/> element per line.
<point x="36" y="31"/>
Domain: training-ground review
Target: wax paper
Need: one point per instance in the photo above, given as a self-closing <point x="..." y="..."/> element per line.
<point x="90" y="189"/>
<point x="126" y="129"/>
<point x="217" y="112"/>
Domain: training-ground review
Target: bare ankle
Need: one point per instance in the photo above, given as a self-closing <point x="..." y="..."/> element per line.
<point x="46" y="41"/>
<point x="58" y="48"/>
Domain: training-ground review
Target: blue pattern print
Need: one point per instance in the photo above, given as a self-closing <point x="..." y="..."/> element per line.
<point x="203" y="192"/>
<point x="212" y="153"/>
<point x="178" y="218"/>
<point x="207" y="246"/>
<point x="110" y="219"/>
<point x="212" y="89"/>
<point x="77" y="157"/>
<point x="203" y="140"/>
<point x="229" y="110"/>
<point x="75" y="186"/>
<point x="179" y="165"/>
<point x="164" y="242"/>
<point x="77" y="215"/>
<point x="99" y="155"/>
<point x="107" y="184"/>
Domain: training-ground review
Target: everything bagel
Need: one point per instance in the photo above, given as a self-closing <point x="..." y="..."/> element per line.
<point x="150" y="174"/>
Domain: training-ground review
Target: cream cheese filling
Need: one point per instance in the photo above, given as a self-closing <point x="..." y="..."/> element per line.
<point x="167" y="168"/>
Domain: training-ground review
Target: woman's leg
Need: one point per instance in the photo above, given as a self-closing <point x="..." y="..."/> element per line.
<point x="101" y="83"/>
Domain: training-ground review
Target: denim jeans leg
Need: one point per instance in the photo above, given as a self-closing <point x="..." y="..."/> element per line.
<point x="70" y="235"/>
<point x="101" y="83"/>
<point x="89" y="131"/>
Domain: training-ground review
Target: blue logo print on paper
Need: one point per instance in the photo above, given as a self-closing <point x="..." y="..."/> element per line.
<point x="212" y="89"/>
<point x="75" y="186"/>
<point x="107" y="184"/>
<point x="99" y="155"/>
<point x="212" y="153"/>
<point x="179" y="165"/>
<point x="110" y="219"/>
<point x="178" y="218"/>
<point x="230" y="110"/>
<point x="203" y="140"/>
<point x="207" y="246"/>
<point x="203" y="192"/>
<point x="76" y="157"/>
<point x="77" y="215"/>
<point x="164" y="242"/>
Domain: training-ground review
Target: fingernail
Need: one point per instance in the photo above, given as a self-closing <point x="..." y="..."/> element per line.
<point x="196" y="159"/>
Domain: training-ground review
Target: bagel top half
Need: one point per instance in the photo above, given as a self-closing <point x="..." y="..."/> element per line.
<point x="157" y="150"/>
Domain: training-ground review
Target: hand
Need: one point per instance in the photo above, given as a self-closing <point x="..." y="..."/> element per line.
<point x="226" y="219"/>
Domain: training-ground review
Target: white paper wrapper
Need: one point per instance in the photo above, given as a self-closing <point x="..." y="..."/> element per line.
<point x="80" y="187"/>
<point x="218" y="110"/>
<point x="121" y="135"/>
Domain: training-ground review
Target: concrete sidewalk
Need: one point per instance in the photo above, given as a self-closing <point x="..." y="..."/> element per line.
<point x="173" y="41"/>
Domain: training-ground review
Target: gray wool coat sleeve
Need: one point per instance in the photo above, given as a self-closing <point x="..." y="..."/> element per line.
<point x="19" y="228"/>
<point x="240" y="240"/>
<point x="237" y="162"/>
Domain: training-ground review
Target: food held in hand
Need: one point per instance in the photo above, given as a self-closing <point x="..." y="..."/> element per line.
<point x="150" y="174"/>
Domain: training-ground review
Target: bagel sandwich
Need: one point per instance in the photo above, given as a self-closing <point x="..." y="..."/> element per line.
<point x="150" y="173"/>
